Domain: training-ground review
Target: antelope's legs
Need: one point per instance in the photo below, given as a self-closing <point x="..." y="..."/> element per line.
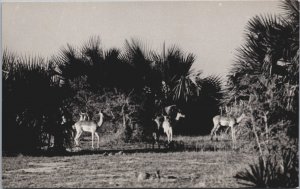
<point x="93" y="140"/>
<point x="169" y="136"/>
<point x="218" y="126"/>
<point x="154" y="139"/>
<point x="214" y="131"/>
<point x="227" y="129"/>
<point x="98" y="139"/>
<point x="77" y="137"/>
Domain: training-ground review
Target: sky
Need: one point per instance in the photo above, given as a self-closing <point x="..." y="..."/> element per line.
<point x="211" y="30"/>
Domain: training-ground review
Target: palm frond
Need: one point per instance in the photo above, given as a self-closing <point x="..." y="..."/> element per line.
<point x="136" y="52"/>
<point x="291" y="8"/>
<point x="186" y="86"/>
<point x="69" y="63"/>
<point x="92" y="50"/>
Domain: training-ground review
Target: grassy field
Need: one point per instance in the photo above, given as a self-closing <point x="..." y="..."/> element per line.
<point x="131" y="166"/>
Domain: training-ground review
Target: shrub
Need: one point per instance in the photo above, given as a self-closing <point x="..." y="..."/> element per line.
<point x="273" y="171"/>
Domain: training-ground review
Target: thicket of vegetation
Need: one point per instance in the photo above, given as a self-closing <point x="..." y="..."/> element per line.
<point x="264" y="83"/>
<point x="129" y="86"/>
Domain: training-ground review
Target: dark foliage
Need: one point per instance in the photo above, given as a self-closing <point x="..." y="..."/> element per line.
<point x="32" y="103"/>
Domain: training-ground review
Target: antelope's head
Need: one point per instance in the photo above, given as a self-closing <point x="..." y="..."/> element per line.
<point x="82" y="116"/>
<point x="179" y="115"/>
<point x="100" y="114"/>
<point x="166" y="118"/>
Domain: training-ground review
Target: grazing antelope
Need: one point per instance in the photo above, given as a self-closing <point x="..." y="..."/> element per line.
<point x="167" y="126"/>
<point x="226" y="122"/>
<point x="88" y="126"/>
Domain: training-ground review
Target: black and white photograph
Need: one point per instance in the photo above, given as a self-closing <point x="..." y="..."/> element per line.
<point x="150" y="94"/>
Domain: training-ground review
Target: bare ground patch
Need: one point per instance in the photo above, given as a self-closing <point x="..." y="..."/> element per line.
<point x="177" y="169"/>
<point x="43" y="167"/>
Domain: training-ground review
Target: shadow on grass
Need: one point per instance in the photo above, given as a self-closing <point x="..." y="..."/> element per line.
<point x="51" y="153"/>
<point x="175" y="146"/>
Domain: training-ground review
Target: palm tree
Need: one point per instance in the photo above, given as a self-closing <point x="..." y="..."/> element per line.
<point x="176" y="73"/>
<point x="271" y="49"/>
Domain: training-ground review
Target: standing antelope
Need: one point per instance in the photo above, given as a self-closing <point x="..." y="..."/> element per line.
<point x="156" y="130"/>
<point x="88" y="126"/>
<point x="226" y="122"/>
<point x="167" y="126"/>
